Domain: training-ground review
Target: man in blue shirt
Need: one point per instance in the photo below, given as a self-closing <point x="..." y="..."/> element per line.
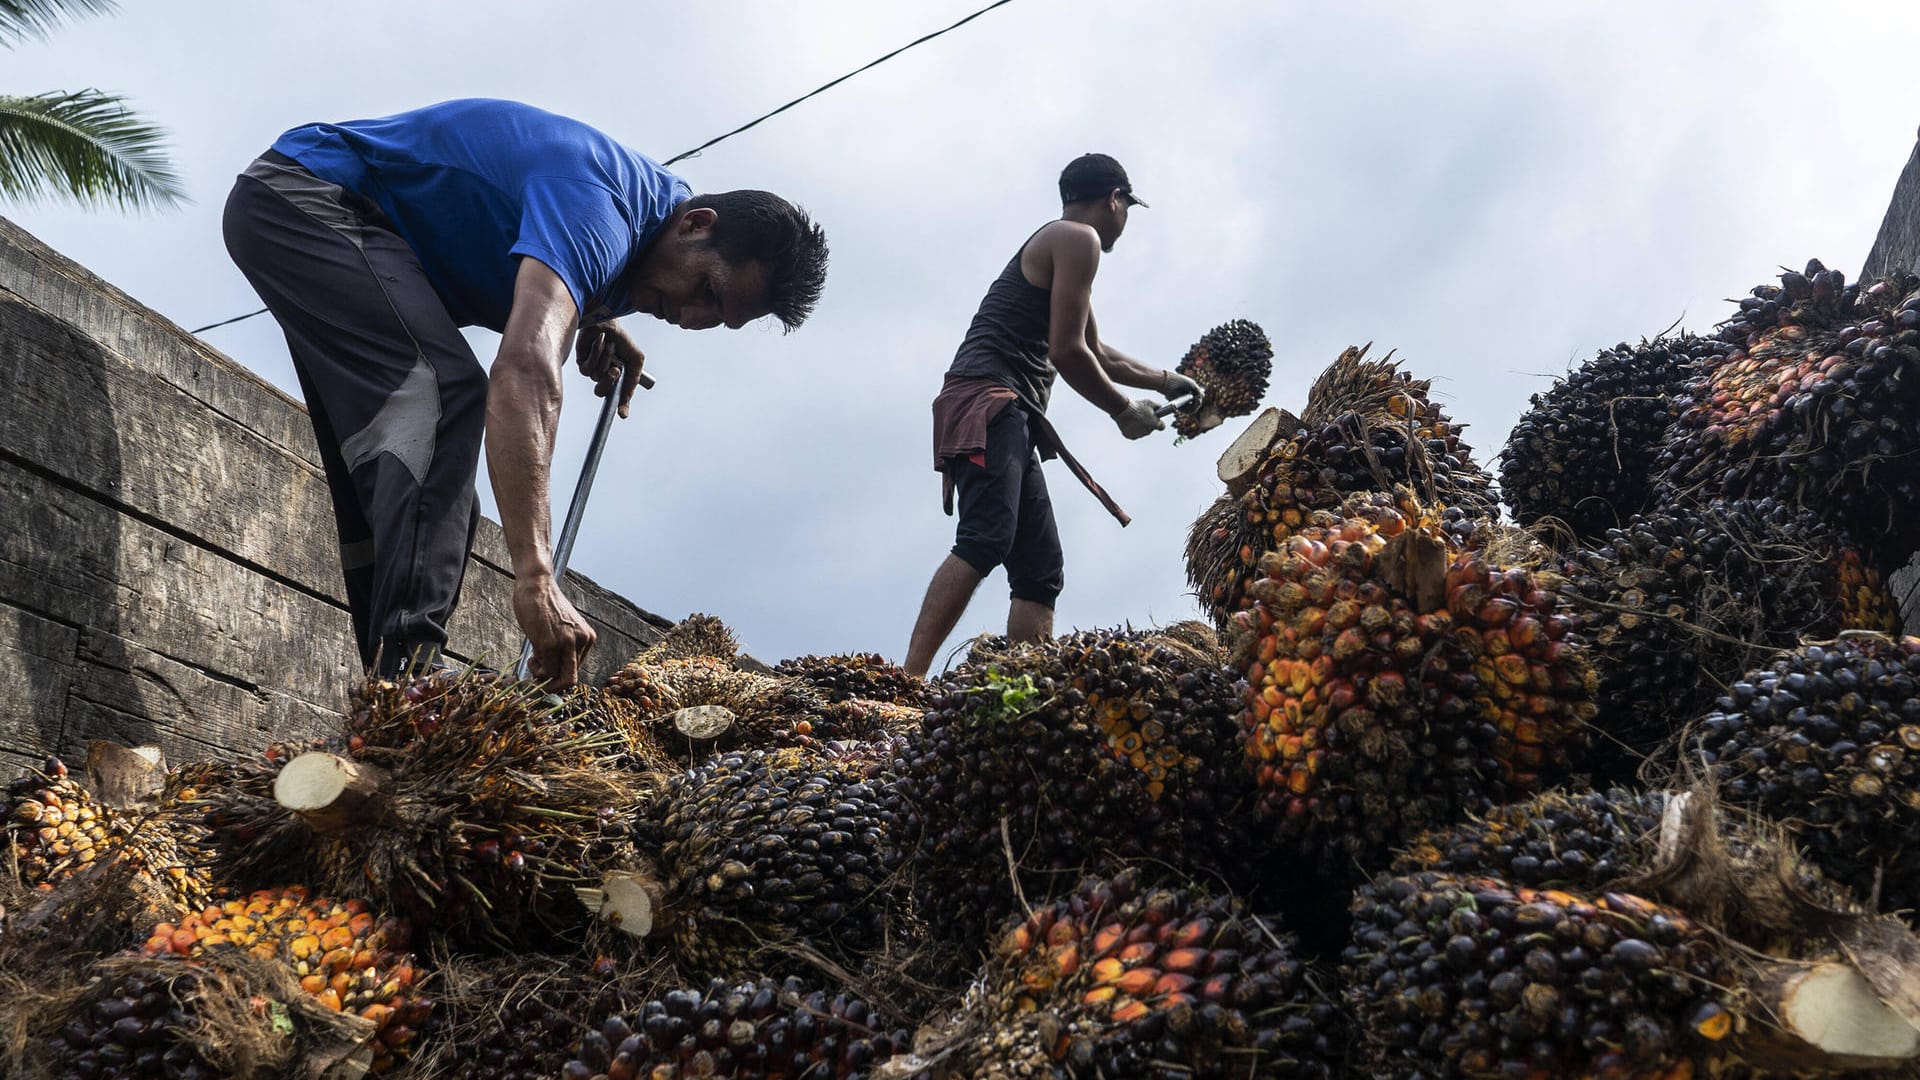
<point x="374" y="241"/>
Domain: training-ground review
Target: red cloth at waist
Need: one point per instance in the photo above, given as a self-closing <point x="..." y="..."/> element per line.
<point x="961" y="412"/>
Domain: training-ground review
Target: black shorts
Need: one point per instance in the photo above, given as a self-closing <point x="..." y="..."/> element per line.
<point x="1005" y="515"/>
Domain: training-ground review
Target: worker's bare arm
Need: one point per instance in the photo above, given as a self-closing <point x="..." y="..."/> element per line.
<point x="1121" y="368"/>
<point x="1072" y="252"/>
<point x="523" y="413"/>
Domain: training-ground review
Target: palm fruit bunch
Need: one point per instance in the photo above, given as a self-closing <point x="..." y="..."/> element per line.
<point x="1817" y="405"/>
<point x="223" y="1015"/>
<point x="56" y="828"/>
<point x="1471" y="976"/>
<point x="488" y="807"/>
<point x="749" y="1031"/>
<point x="847" y="676"/>
<point x="1685" y="598"/>
<point x="1231" y="362"/>
<point x="1117" y="979"/>
<point x="516" y="1017"/>
<point x="1394" y="684"/>
<point x="1821" y="738"/>
<point x="1369" y="425"/>
<point x="1583" y="452"/>
<point x="1096" y="746"/>
<point x="760" y="847"/>
<point x="1532" y="681"/>
<point x="1583" y="841"/>
<point x="1225" y="543"/>
<point x="857" y="720"/>
<point x="767" y="709"/>
<point x="347" y="958"/>
<point x="696" y="635"/>
<point x="137" y="1026"/>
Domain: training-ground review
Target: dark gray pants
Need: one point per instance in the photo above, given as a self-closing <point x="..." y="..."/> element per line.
<point x="397" y="399"/>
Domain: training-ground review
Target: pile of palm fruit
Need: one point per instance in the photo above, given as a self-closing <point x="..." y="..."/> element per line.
<point x="1717" y="498"/>
<point x="1384" y="814"/>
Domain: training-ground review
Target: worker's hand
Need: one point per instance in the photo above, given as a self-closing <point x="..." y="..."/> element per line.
<point x="560" y="636"/>
<point x="1177" y="385"/>
<point x="1136" y="420"/>
<point x="610" y="358"/>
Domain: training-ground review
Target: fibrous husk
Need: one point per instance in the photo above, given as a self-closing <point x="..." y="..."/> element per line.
<point x="1818" y="406"/>
<point x="768" y="710"/>
<point x="1582" y="455"/>
<point x="222" y="1015"/>
<point x="1685" y="598"/>
<point x="697" y="635"/>
<point x="1119" y="979"/>
<point x="247" y="840"/>
<point x="513" y="1016"/>
<point x="495" y="805"/>
<point x="1041" y="761"/>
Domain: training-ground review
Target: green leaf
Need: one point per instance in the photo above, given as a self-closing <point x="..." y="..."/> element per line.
<point x="281" y="1018"/>
<point x="85" y="146"/>
<point x="1004" y="699"/>
<point x="22" y="19"/>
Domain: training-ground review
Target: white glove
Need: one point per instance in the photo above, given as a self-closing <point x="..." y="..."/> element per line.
<point x="1177" y="385"/>
<point x="1137" y="421"/>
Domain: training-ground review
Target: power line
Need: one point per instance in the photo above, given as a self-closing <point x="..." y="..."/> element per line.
<point x="837" y="82"/>
<point x="755" y="122"/>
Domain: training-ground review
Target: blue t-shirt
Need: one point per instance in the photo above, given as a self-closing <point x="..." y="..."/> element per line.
<point x="472" y="184"/>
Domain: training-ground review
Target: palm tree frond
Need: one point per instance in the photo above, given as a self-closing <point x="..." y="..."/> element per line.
<point x="87" y="146"/>
<point x="22" y="19"/>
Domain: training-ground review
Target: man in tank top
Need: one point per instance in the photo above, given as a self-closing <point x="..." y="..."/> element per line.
<point x="990" y="430"/>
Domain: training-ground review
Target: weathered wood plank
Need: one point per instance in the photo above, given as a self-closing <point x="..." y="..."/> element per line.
<point x="77" y="561"/>
<point x="146" y="445"/>
<point x="57" y="285"/>
<point x="133" y="695"/>
<point x="36" y="669"/>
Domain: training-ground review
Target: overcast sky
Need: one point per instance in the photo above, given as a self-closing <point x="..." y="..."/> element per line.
<point x="1495" y="190"/>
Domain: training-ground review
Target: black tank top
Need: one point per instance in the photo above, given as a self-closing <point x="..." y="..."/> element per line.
<point x="1008" y="339"/>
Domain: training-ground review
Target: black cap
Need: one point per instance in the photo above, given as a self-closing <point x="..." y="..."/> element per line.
<point x="1095" y="176"/>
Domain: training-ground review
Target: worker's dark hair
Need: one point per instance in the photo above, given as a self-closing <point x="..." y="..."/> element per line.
<point x="761" y="227"/>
